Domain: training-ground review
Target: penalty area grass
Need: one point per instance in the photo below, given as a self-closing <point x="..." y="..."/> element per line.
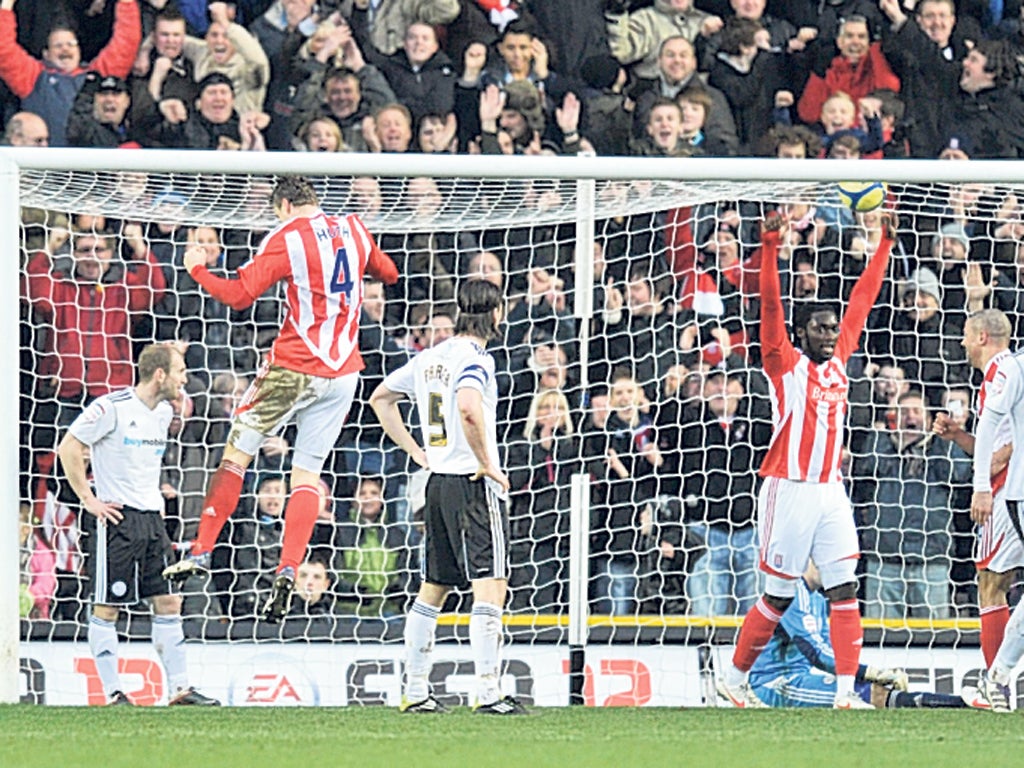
<point x="325" y="737"/>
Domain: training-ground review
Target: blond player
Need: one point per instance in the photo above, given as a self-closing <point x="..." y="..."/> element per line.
<point x="1004" y="401"/>
<point x="999" y="551"/>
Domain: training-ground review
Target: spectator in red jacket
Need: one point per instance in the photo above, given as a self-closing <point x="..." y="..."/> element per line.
<point x="48" y="87"/>
<point x="90" y="303"/>
<point x="859" y="69"/>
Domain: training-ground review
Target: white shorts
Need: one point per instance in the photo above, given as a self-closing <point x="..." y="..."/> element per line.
<point x="319" y="407"/>
<point x="998" y="547"/>
<point x="798" y="521"/>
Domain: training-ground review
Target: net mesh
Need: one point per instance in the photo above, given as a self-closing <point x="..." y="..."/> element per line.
<point x="658" y="396"/>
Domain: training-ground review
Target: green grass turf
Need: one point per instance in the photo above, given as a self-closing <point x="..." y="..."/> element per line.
<point x="59" y="737"/>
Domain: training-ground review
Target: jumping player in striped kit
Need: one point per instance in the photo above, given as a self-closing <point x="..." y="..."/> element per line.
<point x="310" y="374"/>
<point x="465" y="517"/>
<point x="999" y="551"/>
<point x="803" y="509"/>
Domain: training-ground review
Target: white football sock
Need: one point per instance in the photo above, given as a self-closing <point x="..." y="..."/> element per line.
<point x="734" y="676"/>
<point x="485" y="639"/>
<point x="420" y="626"/>
<point x="844" y="685"/>
<point x="169" y="641"/>
<point x="103" y="645"/>
<point x="1012" y="648"/>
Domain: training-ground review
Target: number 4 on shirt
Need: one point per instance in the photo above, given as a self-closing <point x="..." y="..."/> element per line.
<point x="342" y="282"/>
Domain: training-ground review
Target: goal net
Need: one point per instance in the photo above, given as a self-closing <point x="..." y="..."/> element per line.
<point x="630" y="356"/>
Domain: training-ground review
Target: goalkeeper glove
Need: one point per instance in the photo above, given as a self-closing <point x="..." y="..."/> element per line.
<point x="890" y="678"/>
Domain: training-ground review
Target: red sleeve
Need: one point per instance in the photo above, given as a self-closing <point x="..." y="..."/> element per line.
<point x="269" y="266"/>
<point x="882" y="74"/>
<point x="37" y="284"/>
<point x="118" y="56"/>
<point x="225" y="290"/>
<point x="862" y="299"/>
<point x="17" y="68"/>
<point x="777" y="352"/>
<point x="146" y="283"/>
<point x="378" y="264"/>
<point x="812" y="99"/>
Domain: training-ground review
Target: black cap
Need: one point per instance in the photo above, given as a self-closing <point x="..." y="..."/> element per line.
<point x="215" y="78"/>
<point x="600" y="72"/>
<point x="112" y="83"/>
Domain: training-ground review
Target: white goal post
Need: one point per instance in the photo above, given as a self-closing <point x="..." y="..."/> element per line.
<point x="217" y="187"/>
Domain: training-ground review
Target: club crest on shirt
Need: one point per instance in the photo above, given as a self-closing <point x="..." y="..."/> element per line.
<point x="998" y="383"/>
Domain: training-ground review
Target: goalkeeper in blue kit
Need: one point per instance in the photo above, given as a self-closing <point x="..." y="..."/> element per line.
<point x="797" y="668"/>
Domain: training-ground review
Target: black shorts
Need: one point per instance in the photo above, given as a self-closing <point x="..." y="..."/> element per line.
<point x="126" y="561"/>
<point x="466" y="532"/>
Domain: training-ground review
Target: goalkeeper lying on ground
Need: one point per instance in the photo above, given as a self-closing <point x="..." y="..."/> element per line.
<point x="797" y="669"/>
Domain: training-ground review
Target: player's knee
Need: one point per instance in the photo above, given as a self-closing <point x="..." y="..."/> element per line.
<point x="842" y="592"/>
<point x="105" y="612"/>
<point x="992" y="587"/>
<point x="779" y="592"/>
<point x="837" y="574"/>
<point x="167" y="605"/>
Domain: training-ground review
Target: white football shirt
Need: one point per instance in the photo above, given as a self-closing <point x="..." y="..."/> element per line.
<point x="127" y="440"/>
<point x="1004" y="394"/>
<point x="431" y="380"/>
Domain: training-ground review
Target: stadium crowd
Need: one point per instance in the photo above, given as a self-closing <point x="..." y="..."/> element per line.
<point x="675" y="417"/>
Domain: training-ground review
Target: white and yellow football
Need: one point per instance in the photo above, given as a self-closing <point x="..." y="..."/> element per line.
<point x="862" y="196"/>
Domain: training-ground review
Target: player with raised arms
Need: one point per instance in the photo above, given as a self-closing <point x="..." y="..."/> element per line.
<point x="310" y="374"/>
<point x="466" y="536"/>
<point x="803" y="509"/>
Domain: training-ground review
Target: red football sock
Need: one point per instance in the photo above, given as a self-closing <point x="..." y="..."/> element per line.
<point x="758" y="627"/>
<point x="299" y="518"/>
<point x="847" y="636"/>
<point x="993" y="627"/>
<point x="219" y="504"/>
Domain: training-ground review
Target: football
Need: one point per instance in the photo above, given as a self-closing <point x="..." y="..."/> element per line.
<point x="862" y="196"/>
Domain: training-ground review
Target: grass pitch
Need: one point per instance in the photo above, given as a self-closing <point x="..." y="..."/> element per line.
<point x="63" y="737"/>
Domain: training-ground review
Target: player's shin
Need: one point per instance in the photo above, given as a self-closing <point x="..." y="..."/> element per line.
<point x="420" y="626"/>
<point x="299" y="520"/>
<point x="758" y="626"/>
<point x="169" y="642"/>
<point x="1012" y="649"/>
<point x="219" y="504"/>
<point x="847" y="637"/>
<point x="993" y="628"/>
<point x="485" y="640"/>
<point x="103" y="645"/>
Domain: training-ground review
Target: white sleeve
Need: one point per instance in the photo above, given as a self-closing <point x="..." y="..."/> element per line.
<point x="1000" y="396"/>
<point x="403" y="380"/>
<point x="95" y="422"/>
<point x="476" y="374"/>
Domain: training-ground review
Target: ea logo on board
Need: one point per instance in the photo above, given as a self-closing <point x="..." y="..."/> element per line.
<point x="272" y="679"/>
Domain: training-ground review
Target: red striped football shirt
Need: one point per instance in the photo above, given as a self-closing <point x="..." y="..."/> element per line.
<point x="322" y="260"/>
<point x="809" y="400"/>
